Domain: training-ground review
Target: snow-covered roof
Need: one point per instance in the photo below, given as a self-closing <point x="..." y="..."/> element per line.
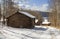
<point x="27" y="14"/>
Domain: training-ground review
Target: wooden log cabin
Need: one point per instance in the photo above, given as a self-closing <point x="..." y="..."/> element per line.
<point x="21" y="19"/>
<point x="54" y="16"/>
<point x="12" y="8"/>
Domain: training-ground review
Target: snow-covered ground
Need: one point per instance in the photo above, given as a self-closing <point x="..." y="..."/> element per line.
<point x="36" y="33"/>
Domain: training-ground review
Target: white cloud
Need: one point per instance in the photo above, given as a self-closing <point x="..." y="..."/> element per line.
<point x="44" y="7"/>
<point x="34" y="8"/>
<point x="20" y="2"/>
<point x="24" y="4"/>
<point x="15" y="1"/>
<point x="27" y="6"/>
<point x="21" y="5"/>
<point x="0" y="0"/>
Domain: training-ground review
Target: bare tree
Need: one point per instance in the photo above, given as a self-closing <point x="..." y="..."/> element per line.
<point x="53" y="13"/>
<point x="8" y="9"/>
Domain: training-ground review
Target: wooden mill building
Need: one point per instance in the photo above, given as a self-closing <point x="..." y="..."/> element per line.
<point x="12" y="8"/>
<point x="21" y="19"/>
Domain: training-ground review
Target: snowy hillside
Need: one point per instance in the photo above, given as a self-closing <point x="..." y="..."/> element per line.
<point x="36" y="33"/>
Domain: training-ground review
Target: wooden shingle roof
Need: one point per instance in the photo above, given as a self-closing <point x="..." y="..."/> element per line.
<point x="11" y="12"/>
<point x="27" y="14"/>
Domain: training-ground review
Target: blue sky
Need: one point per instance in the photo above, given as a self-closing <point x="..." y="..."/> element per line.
<point x="37" y="2"/>
<point x="41" y="5"/>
